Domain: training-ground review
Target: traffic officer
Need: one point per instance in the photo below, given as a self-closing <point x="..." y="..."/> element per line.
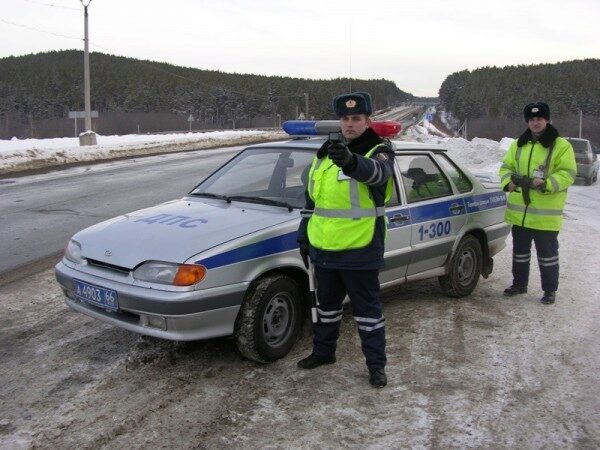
<point x="536" y="171"/>
<point x="343" y="231"/>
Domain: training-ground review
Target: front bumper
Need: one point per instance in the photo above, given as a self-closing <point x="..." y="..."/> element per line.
<point x="179" y="316"/>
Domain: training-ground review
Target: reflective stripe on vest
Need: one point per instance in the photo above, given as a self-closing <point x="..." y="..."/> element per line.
<point x="538" y="211"/>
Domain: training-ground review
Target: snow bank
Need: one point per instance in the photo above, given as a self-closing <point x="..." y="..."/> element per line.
<point x="479" y="154"/>
<point x="25" y="154"/>
<point x="482" y="156"/>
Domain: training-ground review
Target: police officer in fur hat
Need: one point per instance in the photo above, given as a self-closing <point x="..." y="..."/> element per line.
<point x="536" y="171"/>
<point x="343" y="231"/>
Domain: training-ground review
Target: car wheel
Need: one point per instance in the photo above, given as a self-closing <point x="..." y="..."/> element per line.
<point x="270" y="319"/>
<point x="465" y="268"/>
<point x="588" y="181"/>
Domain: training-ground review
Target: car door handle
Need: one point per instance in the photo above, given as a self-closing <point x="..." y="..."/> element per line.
<point x="399" y="218"/>
<point x="457" y="208"/>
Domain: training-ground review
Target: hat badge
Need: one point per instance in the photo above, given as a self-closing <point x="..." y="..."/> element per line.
<point x="351" y="103"/>
<point x="534" y="110"/>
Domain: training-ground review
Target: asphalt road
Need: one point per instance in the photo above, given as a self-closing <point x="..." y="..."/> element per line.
<point x="41" y="212"/>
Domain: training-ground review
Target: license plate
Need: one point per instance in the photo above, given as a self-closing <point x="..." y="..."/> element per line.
<point x="96" y="295"/>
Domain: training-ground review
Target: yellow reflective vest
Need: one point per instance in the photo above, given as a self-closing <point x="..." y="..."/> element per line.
<point x="345" y="213"/>
<point x="546" y="208"/>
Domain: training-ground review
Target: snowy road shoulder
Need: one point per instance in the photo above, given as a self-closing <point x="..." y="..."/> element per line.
<point x="30" y="154"/>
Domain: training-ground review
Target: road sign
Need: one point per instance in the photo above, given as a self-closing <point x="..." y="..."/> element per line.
<point x="81" y="114"/>
<point x="429" y="117"/>
<point x="191" y="118"/>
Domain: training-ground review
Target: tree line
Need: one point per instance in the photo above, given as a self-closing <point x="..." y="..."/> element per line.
<point x="37" y="92"/>
<point x="491" y="99"/>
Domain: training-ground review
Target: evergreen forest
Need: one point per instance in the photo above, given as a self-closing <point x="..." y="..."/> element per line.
<point x="491" y="99"/>
<point x="37" y="92"/>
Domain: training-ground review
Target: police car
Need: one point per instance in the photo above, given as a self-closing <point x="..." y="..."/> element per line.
<point x="224" y="261"/>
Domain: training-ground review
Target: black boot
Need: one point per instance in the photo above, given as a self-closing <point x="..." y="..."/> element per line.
<point x="377" y="378"/>
<point x="515" y="290"/>
<point x="548" y="298"/>
<point x="313" y="361"/>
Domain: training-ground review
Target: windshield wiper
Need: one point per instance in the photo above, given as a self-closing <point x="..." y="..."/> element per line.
<point x="211" y="195"/>
<point x="261" y="200"/>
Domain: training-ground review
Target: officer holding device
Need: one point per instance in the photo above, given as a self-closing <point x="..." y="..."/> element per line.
<point x="343" y="231"/>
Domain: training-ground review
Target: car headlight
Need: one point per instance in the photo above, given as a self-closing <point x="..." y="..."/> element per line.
<point x="73" y="252"/>
<point x="170" y="273"/>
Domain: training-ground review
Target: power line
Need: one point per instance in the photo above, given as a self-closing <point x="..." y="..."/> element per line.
<point x="151" y="66"/>
<point x="39" y="30"/>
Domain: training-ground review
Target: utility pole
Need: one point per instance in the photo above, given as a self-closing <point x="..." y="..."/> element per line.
<point x="306" y="104"/>
<point x="89" y="137"/>
<point x="580" y="121"/>
<point x="462" y="130"/>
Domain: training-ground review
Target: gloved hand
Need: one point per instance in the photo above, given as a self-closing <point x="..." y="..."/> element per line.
<point x="303" y="246"/>
<point x="538" y="183"/>
<point x="340" y="155"/>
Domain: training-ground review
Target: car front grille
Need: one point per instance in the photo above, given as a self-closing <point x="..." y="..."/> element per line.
<point x="107" y="266"/>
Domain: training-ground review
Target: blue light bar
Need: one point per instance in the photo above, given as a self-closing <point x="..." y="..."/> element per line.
<point x="300" y="127"/>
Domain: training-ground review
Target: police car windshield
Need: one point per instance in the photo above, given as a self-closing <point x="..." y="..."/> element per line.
<point x="270" y="175"/>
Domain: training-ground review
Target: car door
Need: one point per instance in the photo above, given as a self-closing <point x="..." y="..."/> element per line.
<point x="397" y="242"/>
<point x="436" y="214"/>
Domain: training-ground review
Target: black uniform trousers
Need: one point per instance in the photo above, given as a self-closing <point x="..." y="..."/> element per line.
<point x="362" y="286"/>
<point x="546" y="246"/>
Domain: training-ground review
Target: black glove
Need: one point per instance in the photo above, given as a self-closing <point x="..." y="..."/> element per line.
<point x="304" y="252"/>
<point x="524" y="182"/>
<point x="340" y="155"/>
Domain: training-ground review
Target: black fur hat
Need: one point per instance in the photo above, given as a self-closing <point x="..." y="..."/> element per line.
<point x="350" y="104"/>
<point x="537" y="109"/>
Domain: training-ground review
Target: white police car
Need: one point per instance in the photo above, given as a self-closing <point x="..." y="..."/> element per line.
<point x="224" y="260"/>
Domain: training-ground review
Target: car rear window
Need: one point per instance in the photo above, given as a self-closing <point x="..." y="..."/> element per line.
<point x="580" y="147"/>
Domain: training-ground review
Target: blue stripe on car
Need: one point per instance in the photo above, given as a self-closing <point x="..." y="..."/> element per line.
<point x="417" y="214"/>
<point x="390" y="213"/>
<point x="267" y="247"/>
<point x="433" y="211"/>
<point x="476" y="203"/>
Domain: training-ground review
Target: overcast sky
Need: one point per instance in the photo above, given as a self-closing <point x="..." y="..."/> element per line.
<point x="414" y="43"/>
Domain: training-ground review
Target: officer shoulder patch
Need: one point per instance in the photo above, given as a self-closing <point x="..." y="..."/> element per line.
<point x="382" y="156"/>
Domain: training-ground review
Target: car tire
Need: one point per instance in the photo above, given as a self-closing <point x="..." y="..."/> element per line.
<point x="270" y="319"/>
<point x="588" y="181"/>
<point x="465" y="268"/>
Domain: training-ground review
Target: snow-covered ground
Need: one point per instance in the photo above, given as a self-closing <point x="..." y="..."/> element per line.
<point x="24" y="154"/>
<point x="480" y="372"/>
<point x="480" y="155"/>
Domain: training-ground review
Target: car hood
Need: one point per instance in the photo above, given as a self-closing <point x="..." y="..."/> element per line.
<point x="175" y="231"/>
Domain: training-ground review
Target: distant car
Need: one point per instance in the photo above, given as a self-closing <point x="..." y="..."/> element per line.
<point x="224" y="260"/>
<point x="587" y="160"/>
